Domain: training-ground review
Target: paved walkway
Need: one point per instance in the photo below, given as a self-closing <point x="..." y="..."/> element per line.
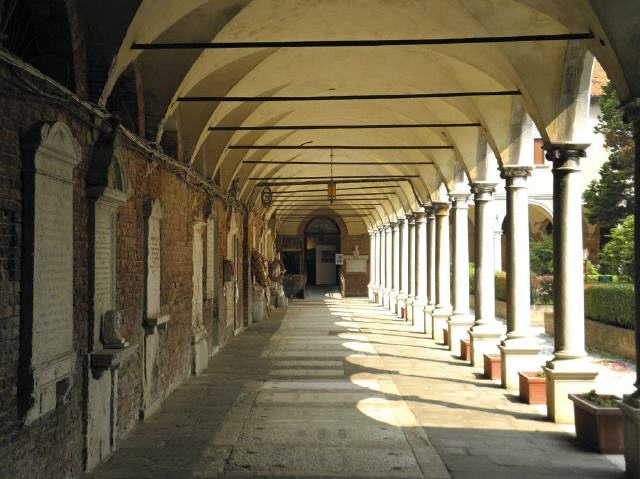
<point x="340" y="388"/>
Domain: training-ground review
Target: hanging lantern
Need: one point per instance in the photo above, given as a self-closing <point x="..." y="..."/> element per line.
<point x="331" y="191"/>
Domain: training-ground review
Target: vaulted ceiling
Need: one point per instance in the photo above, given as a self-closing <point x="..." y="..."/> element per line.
<point x="540" y="79"/>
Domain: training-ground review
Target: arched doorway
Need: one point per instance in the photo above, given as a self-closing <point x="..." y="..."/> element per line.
<point x="321" y="243"/>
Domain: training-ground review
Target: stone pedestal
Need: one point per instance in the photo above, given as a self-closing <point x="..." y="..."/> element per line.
<point x="199" y="353"/>
<point x="485" y="340"/>
<point x="420" y="316"/>
<point x="439" y="322"/>
<point x="518" y="355"/>
<point x="409" y="302"/>
<point x="631" y="412"/>
<point x="566" y="377"/>
<point x="458" y="326"/>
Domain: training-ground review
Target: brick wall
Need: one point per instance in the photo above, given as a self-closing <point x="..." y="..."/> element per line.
<point x="52" y="446"/>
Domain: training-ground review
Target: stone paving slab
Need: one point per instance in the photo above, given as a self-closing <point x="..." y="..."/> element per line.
<point x="341" y="388"/>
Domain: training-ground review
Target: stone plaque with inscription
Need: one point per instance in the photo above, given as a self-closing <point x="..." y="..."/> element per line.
<point x="48" y="308"/>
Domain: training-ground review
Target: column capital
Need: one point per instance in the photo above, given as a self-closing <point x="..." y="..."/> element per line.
<point x="483" y="190"/>
<point x="401" y="222"/>
<point x="441" y="208"/>
<point x="419" y="217"/>
<point x="411" y="219"/>
<point x="566" y="156"/>
<point x="459" y="199"/>
<point x="393" y="225"/>
<point x="388" y="227"/>
<point x="515" y="171"/>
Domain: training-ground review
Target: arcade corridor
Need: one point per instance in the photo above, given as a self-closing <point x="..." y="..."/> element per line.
<point x="342" y="388"/>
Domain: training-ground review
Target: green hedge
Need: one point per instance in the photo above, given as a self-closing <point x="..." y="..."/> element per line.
<point x="611" y="304"/>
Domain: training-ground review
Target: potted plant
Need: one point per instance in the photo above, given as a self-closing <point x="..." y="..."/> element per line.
<point x="533" y="388"/>
<point x="599" y="422"/>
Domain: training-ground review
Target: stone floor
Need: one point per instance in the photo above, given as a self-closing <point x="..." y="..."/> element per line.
<point x="340" y="388"/>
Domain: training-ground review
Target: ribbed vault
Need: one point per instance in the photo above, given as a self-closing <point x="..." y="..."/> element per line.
<point x="550" y="80"/>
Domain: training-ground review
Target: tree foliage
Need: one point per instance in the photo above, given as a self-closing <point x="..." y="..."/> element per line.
<point x="617" y="255"/>
<point x="610" y="199"/>
<point x="541" y="255"/>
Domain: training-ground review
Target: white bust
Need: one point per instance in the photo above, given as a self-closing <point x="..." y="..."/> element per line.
<point x="356" y="251"/>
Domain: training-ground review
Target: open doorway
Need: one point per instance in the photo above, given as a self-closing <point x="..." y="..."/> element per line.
<point x="322" y="242"/>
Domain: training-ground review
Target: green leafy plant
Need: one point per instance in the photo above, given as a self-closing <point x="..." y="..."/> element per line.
<point x="541" y="255"/>
<point x="617" y="256"/>
<point x="602" y="400"/>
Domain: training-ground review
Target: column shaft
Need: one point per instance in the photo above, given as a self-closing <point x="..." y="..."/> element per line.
<point x="519" y="352"/>
<point x="442" y="311"/>
<point x="372" y="264"/>
<point x="411" y="265"/>
<point x="460" y="212"/>
<point x="420" y="272"/>
<point x="569" y="371"/>
<point x="431" y="258"/>
<point x="395" y="284"/>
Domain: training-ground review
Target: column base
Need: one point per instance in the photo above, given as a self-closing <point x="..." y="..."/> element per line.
<point x="419" y="319"/>
<point x="199" y="354"/>
<point x="631" y="412"/>
<point x="393" y="301"/>
<point x="517" y="355"/>
<point x="564" y="377"/>
<point x="439" y="321"/>
<point x="458" y="326"/>
<point x="484" y="340"/>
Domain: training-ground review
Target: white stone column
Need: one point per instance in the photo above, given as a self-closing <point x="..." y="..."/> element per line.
<point x="569" y="371"/>
<point x="377" y="253"/>
<point x="519" y="351"/>
<point x="461" y="319"/>
<point x="440" y="315"/>
<point x="431" y="267"/>
<point x="403" y="266"/>
<point x="631" y="403"/>
<point x="421" y="272"/>
<point x="497" y="250"/>
<point x="411" y="269"/>
<point x="486" y="332"/>
<point x="372" y="265"/>
<point x="383" y="265"/>
<point x="388" y="267"/>
<point x="395" y="276"/>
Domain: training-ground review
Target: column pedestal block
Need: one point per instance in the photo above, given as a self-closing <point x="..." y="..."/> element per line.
<point x="199" y="354"/>
<point x="458" y="326"/>
<point x="402" y="306"/>
<point x="566" y="377"/>
<point x="393" y="301"/>
<point x="484" y="340"/>
<point x="386" y="294"/>
<point x="419" y="318"/>
<point x="439" y="321"/>
<point x="409" y="302"/>
<point x="371" y="294"/>
<point x="518" y="355"/>
<point x="631" y="412"/>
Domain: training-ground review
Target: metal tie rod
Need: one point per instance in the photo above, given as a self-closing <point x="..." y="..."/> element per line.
<point x="342" y="127"/>
<point x="362" y="43"/>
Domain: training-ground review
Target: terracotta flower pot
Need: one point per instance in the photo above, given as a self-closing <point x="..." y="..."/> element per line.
<point x="465" y="350"/>
<point x="599" y="427"/>
<point x="533" y="389"/>
<point x="492" y="368"/>
<point x="445" y="336"/>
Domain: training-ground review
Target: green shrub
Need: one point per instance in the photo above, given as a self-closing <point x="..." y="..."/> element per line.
<point x="611" y="304"/>
<point x="472" y="278"/>
<point x="501" y="286"/>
